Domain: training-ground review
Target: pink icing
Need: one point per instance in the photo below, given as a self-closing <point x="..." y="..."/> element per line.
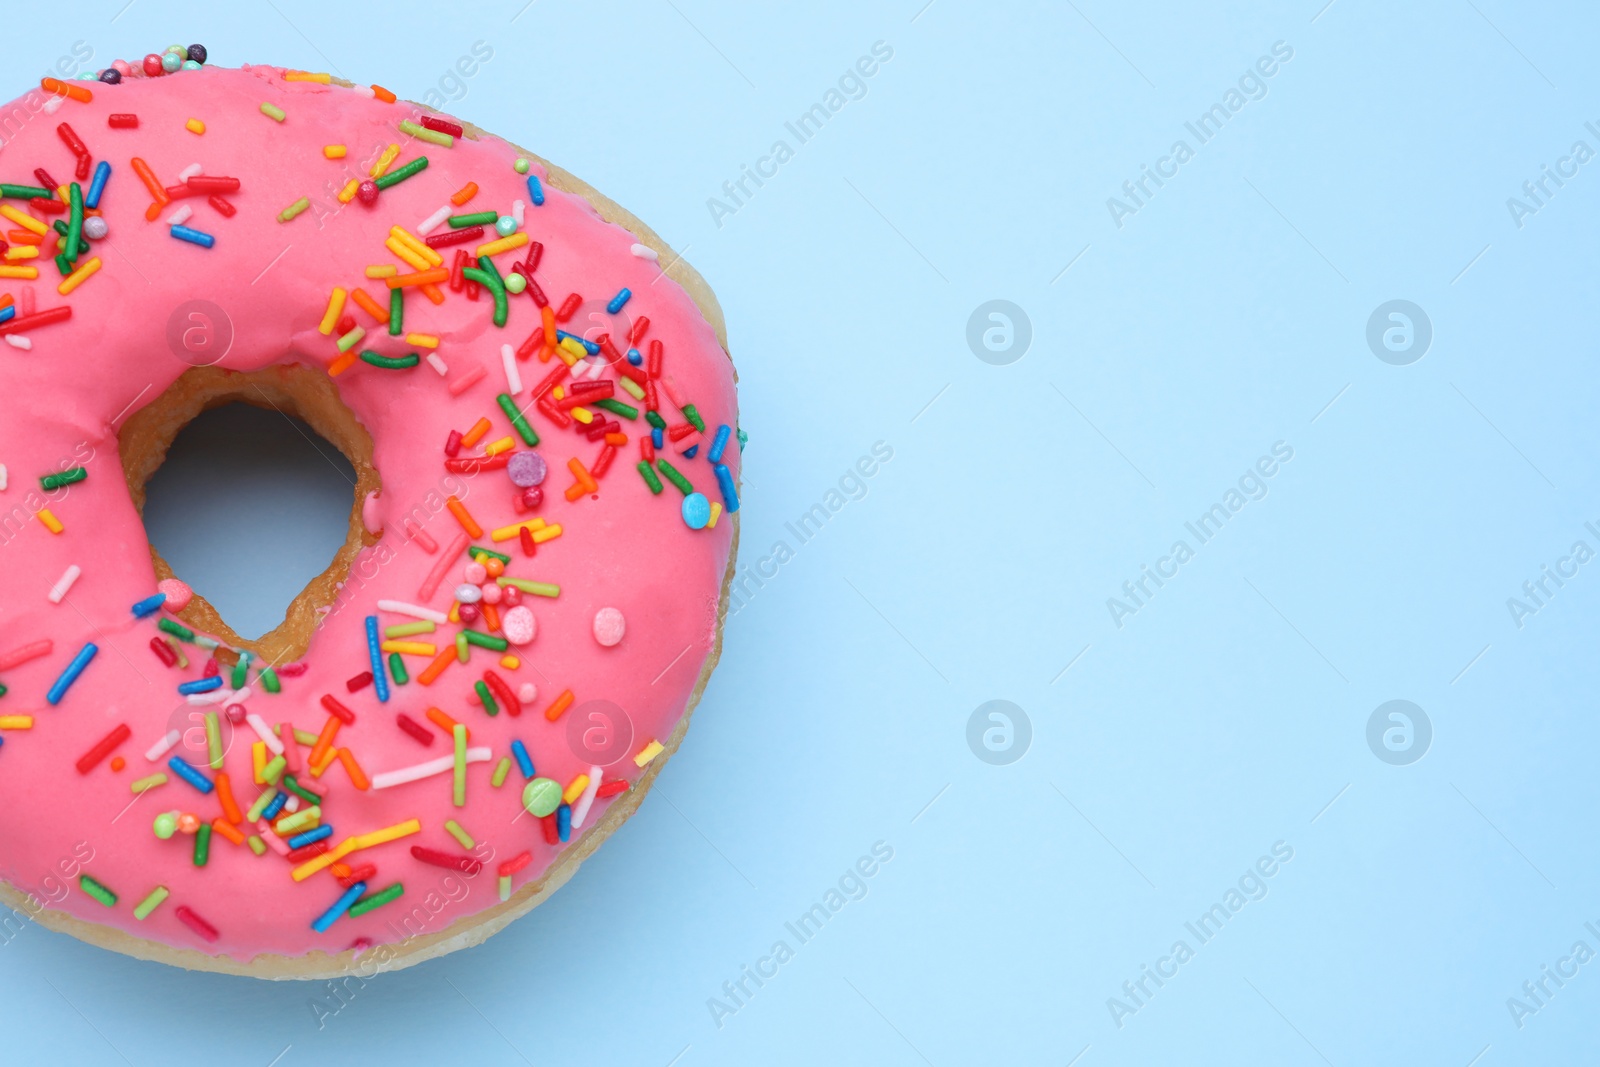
<point x="64" y="400"/>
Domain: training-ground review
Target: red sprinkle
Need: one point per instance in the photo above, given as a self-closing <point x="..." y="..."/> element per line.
<point x="441" y="125"/>
<point x="530" y="548"/>
<point x="308" y="852"/>
<point x="465" y="465"/>
<point x="414" y="728"/>
<point x="363" y="873"/>
<point x="70" y="138"/>
<point x="47" y="205"/>
<point x="516" y="863"/>
<point x="464" y="864"/>
<point x="535" y="253"/>
<point x="359" y="682"/>
<point x="225" y="209"/>
<point x="612" y="788"/>
<point x="453" y="237"/>
<point x="89" y="759"/>
<point x="640" y="325"/>
<point x="497" y="685"/>
<point x="603" y="462"/>
<point x="197" y="924"/>
<point x="44" y="178"/>
<point x="653" y="360"/>
<point x="569" y="307"/>
<point x="552" y="832"/>
<point x="212" y="183"/>
<point x="294" y="670"/>
<point x="452" y="444"/>
<point x="123" y="121"/>
<point x="338" y="710"/>
<point x="164" y="652"/>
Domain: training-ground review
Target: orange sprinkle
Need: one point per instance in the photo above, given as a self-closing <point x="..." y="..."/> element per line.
<point x="436" y="668"/>
<point x="563" y="702"/>
<point x="383" y="94"/>
<point x="491" y="616"/>
<point x="358" y="777"/>
<point x="228" y="830"/>
<point x="463" y="194"/>
<point x="157" y="191"/>
<point x="24" y="237"/>
<point x="440" y="719"/>
<point x="474" y="435"/>
<point x="618" y="439"/>
<point x="421" y="277"/>
<point x="324" y="739"/>
<point x="547" y="318"/>
<point x="59" y="88"/>
<point x="327" y="758"/>
<point x="230" y="807"/>
<point x="464" y="517"/>
<point x="584" y="484"/>
<point x="434" y="294"/>
<point x="369" y="305"/>
<point x="343" y="363"/>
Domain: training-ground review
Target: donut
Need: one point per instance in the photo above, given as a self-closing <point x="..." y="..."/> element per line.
<point x="537" y="399"/>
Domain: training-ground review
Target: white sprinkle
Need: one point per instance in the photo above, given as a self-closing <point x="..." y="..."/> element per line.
<point x="434" y="221"/>
<point x="180" y="216"/>
<point x="400" y="607"/>
<point x="59" y="590"/>
<point x="644" y="253"/>
<point x="52" y="105"/>
<point x="2" y="477"/>
<point x="190" y="171"/>
<point x="508" y="359"/>
<point x="293" y="804"/>
<point x="442" y="765"/>
<point x="438" y="364"/>
<point x="580" y="810"/>
<point x="14" y="340"/>
<point x="366" y="90"/>
<point x="163" y="746"/>
<point x="592" y="368"/>
<point x="263" y="731"/>
<point x="517" y="209"/>
<point x="218" y="696"/>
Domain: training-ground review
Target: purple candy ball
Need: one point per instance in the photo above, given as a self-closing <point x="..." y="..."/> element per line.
<point x="111" y="76"/>
<point x="526" y="469"/>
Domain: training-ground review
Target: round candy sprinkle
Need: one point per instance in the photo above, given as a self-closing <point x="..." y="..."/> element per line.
<point x="526" y="470"/>
<point x="178" y="594"/>
<point x="521" y="165"/>
<point x="528" y="693"/>
<point x="468" y="593"/>
<point x="188" y="823"/>
<point x="117" y="763"/>
<point x="541" y="797"/>
<point x="152" y="66"/>
<point x="609" y="626"/>
<point x="171" y="62"/>
<point x="122" y="67"/>
<point x="95" y="228"/>
<point x="190" y="64"/>
<point x="468" y="613"/>
<point x="519" y="625"/>
<point x="532" y="497"/>
<point x="475" y="573"/>
<point x="166" y="825"/>
<point x="111" y="76"/>
<point x="696" y="511"/>
<point x="516" y="283"/>
<point x="367" y="192"/>
<point x="505" y="225"/>
<point x="492" y="594"/>
<point x="197" y="52"/>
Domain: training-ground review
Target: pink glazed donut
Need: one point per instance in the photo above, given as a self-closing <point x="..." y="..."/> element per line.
<point x="538" y="401"/>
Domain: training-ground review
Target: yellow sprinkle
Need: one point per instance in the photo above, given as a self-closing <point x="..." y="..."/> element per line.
<point x="504" y="244"/>
<point x="571" y="344"/>
<point x="327" y="760"/>
<point x="582" y="414"/>
<point x="454" y="614"/>
<point x="16" y="722"/>
<point x="348" y="193"/>
<point x="16" y="252"/>
<point x="575" y="788"/>
<point x="634" y="389"/>
<point x="716" y="512"/>
<point x="258" y="759"/>
<point x="647" y="753"/>
<point x="417" y="245"/>
<point x="382" y="270"/>
<point x="28" y="273"/>
<point x="422" y="340"/>
<point x="409" y="648"/>
<point x="507" y="533"/>
<point x="387" y="834"/>
<point x="195" y="126"/>
<point x="404" y="251"/>
<point x="306" y="76"/>
<point x="459" y="834"/>
<point x="22" y="218"/>
<point x="51" y="523"/>
<point x="327" y="859"/>
<point x="77" y="277"/>
<point x="64" y="194"/>
<point x="510" y="662"/>
<point x="335" y="306"/>
<point x="333" y="151"/>
<point x="494" y="448"/>
<point x="388" y="157"/>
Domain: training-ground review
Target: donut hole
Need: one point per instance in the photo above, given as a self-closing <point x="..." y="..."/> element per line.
<point x="261" y="465"/>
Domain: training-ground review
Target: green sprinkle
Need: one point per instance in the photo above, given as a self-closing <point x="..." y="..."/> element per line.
<point x="654" y="419"/>
<point x="616" y="407"/>
<point x="674" y="477"/>
<point x="397" y="311"/>
<point x="459" y="834"/>
<point x="376" y="900"/>
<point x="391" y="362"/>
<point x="422" y="133"/>
<point x="202" y="844"/>
<point x="144" y="785"/>
<point x="488" y="700"/>
<point x="258" y="846"/>
<point x="214" y="740"/>
<point x="397" y="669"/>
<point x="521" y="166"/>
<point x="395" y="177"/>
<point x="273" y="112"/>
<point x="474" y="553"/>
<point x="269" y="680"/>
<point x="96" y="890"/>
<point x="633" y="388"/>
<point x="694" y="417"/>
<point x="518" y="423"/>
<point x="743" y="437"/>
<point x="261" y="804"/>
<point x="70" y="477"/>
<point x="460" y="222"/>
<point x="74" y="221"/>
<point x="408" y="629"/>
<point x="241" y="672"/>
<point x="303" y="819"/>
<point x="294" y="209"/>
<point x="3" y="689"/>
<point x="348" y="341"/>
<point x="178" y="630"/>
<point x="294" y="787"/>
<point x="25" y="192"/>
<point x="63" y="264"/>
<point x="150" y="903"/>
<point x="272" y="771"/>
<point x="305" y="737"/>
<point x="483" y="640"/>
<point x="501" y="769"/>
<point x="463" y="653"/>
<point x="649" y="476"/>
<point x="487" y="276"/>
<point x="536" y="588"/>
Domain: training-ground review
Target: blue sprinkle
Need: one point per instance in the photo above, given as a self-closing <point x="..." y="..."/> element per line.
<point x="588" y="346"/>
<point x="718" y="443"/>
<point x="535" y="190"/>
<point x="635" y="358"/>
<point x="730" y="495"/>
<point x="311" y="837"/>
<point x="696" y="511"/>
<point x="380" y="681"/>
<point x="271" y="811"/>
<point x="657" y="439"/>
<point x="693" y="451"/>
<point x="340" y="906"/>
<point x="97" y="186"/>
<point x="150" y="604"/>
<point x="70" y="675"/>
<point x="8" y="314"/>
<point x="524" y="761"/>
<point x="194" y="237"/>
<point x="200" y="685"/>
<point x="182" y="769"/>
<point x="564" y="821"/>
<point x="620" y="299"/>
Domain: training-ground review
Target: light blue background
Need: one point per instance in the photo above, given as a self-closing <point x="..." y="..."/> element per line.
<point x="1230" y="713"/>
